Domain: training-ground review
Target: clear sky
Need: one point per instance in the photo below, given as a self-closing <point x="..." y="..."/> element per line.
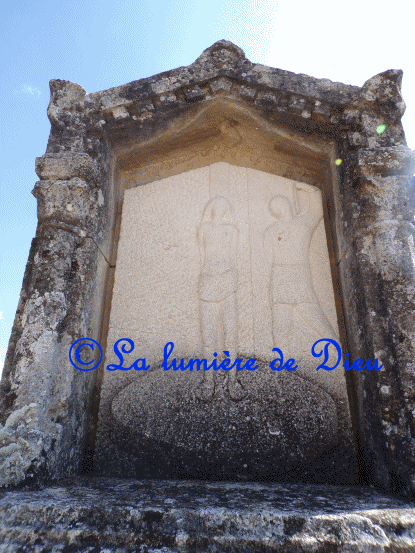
<point x="101" y="44"/>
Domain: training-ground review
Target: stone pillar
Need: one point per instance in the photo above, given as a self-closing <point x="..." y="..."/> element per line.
<point x="46" y="402"/>
<point x="377" y="267"/>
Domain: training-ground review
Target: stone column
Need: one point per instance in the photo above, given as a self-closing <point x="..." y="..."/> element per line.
<point x="46" y="402"/>
<point x="377" y="267"/>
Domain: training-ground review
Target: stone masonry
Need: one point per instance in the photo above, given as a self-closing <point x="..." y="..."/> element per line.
<point x="346" y="139"/>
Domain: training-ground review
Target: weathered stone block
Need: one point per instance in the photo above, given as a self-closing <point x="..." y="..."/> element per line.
<point x="194" y="93"/>
<point x="386" y="161"/>
<point x="67" y="166"/>
<point x="221" y="84"/>
<point x="382" y="199"/>
<point x="321" y="111"/>
<point x="248" y="92"/>
<point x="70" y="201"/>
<point x="384" y="92"/>
<point x="297" y="104"/>
<point x="269" y="98"/>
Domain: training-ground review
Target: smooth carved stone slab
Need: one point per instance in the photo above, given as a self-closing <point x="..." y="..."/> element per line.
<point x="223" y="238"/>
<point x="282" y="421"/>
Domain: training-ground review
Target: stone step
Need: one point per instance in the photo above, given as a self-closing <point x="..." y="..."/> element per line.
<point x="100" y="515"/>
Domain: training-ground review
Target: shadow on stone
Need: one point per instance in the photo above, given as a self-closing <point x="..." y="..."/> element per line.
<point x="282" y="423"/>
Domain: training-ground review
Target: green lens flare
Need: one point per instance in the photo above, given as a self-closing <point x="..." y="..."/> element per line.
<point x="338" y="161"/>
<point x="381" y="129"/>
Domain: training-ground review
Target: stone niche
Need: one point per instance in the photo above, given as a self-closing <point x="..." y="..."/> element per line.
<point x="224" y="206"/>
<point x="250" y="424"/>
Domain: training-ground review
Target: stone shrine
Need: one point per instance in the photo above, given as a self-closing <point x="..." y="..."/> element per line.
<point x="241" y="213"/>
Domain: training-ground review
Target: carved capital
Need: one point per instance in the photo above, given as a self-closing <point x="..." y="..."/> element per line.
<point x="67" y="166"/>
<point x="68" y="201"/>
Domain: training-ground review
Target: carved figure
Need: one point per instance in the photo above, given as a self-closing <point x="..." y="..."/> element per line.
<point x="286" y="244"/>
<point x="218" y="239"/>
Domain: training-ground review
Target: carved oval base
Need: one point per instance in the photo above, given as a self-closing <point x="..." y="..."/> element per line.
<point x="282" y="421"/>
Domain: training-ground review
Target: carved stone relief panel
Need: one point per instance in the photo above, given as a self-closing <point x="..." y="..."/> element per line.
<point x="222" y="259"/>
<point x="159" y="261"/>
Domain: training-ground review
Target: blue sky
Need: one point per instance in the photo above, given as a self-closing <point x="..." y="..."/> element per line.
<point x="101" y="44"/>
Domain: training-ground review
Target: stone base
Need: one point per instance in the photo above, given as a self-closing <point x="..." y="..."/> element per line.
<point x="282" y="429"/>
<point x="100" y="515"/>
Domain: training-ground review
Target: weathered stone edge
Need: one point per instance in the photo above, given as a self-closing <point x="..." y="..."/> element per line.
<point x="223" y="68"/>
<point x="199" y="517"/>
<point x="202" y="529"/>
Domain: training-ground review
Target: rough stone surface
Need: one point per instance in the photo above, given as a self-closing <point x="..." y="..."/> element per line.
<point x="58" y="166"/>
<point x="222" y="107"/>
<point x="284" y="421"/>
<point x="109" y="515"/>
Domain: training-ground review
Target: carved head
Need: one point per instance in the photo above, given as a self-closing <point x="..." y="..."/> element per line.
<point x="217" y="209"/>
<point x="280" y="207"/>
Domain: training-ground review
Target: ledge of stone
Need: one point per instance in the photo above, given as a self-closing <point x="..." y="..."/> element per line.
<point x="180" y="516"/>
<point x="224" y="59"/>
<point x="66" y="166"/>
<point x="223" y="69"/>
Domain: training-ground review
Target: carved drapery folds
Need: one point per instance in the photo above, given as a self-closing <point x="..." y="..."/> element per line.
<point x="369" y="209"/>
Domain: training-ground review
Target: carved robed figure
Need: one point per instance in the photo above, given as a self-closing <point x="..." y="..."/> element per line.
<point x="286" y="244"/>
<point x="218" y="241"/>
